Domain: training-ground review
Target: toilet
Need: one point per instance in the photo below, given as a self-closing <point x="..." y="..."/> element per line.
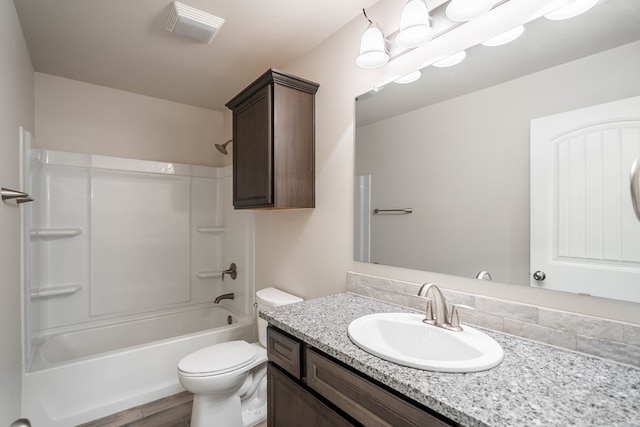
<point x="228" y="380"/>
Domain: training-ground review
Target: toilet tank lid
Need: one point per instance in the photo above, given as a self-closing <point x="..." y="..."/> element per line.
<point x="273" y="297"/>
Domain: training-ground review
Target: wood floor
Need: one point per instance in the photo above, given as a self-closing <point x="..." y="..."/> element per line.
<point x="172" y="411"/>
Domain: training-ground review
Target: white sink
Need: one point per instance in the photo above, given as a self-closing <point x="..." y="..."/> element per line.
<point x="404" y="339"/>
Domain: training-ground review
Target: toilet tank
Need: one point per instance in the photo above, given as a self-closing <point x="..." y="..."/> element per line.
<point x="268" y="298"/>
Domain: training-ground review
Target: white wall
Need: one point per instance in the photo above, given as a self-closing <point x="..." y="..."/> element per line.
<point x="16" y="109"/>
<point x="473" y="150"/>
<point x="308" y="252"/>
<point x="116" y="267"/>
<point x="85" y="118"/>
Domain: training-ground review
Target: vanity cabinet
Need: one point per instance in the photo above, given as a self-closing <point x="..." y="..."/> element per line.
<point x="274" y="143"/>
<point x="291" y="405"/>
<point x="307" y="387"/>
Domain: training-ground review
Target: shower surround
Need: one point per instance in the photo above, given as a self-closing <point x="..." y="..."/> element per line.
<point x="122" y="260"/>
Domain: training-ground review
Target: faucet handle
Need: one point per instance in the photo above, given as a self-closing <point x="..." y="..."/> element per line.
<point x="454" y="323"/>
<point x="231" y="271"/>
<point x="429" y="319"/>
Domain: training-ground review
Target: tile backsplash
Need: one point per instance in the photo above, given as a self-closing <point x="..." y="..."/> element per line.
<point x="617" y="341"/>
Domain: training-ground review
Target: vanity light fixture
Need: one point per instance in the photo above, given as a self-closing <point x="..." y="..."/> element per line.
<point x="373" y="46"/>
<point x="415" y="29"/>
<point x="408" y="78"/>
<point x="570" y="10"/>
<point x="451" y="60"/>
<point x="466" y="10"/>
<point x="414" y="24"/>
<point x="504" y="38"/>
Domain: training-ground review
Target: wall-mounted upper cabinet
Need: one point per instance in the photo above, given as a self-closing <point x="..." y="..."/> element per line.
<point x="274" y="143"/>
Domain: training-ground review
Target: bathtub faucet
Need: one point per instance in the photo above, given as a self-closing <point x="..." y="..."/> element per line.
<point x="224" y="296"/>
<point x="231" y="271"/>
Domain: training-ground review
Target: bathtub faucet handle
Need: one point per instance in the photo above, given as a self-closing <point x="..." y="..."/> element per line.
<point x="231" y="271"/>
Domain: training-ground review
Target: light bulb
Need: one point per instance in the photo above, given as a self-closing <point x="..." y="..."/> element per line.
<point x="504" y="38"/>
<point x="466" y="10"/>
<point x="571" y="9"/>
<point x="414" y="24"/>
<point x="449" y="61"/>
<point x="408" y="78"/>
<point x="373" y="51"/>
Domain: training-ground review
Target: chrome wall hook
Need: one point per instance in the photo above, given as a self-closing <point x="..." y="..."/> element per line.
<point x="18" y="196"/>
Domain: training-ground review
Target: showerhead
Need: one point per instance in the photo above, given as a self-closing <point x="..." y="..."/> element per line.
<point x="223" y="147"/>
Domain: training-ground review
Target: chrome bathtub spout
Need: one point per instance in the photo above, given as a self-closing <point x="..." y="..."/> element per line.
<point x="219" y="298"/>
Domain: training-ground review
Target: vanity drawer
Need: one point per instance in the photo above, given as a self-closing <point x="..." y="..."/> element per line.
<point x="284" y="351"/>
<point x="363" y="400"/>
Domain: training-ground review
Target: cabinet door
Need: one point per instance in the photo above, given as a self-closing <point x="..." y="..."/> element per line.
<point x="285" y="352"/>
<point x="291" y="405"/>
<point x="366" y="402"/>
<point x="294" y="148"/>
<point x="253" y="151"/>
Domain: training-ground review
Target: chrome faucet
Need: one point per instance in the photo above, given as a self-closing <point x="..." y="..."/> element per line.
<point x="484" y="275"/>
<point x="219" y="298"/>
<point x="439" y="304"/>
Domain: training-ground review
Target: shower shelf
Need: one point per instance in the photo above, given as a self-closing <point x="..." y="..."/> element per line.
<point x="56" y="232"/>
<point x="209" y="274"/>
<point x="55" y="291"/>
<point x="209" y="229"/>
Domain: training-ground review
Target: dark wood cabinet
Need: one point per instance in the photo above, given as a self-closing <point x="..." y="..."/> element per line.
<point x="274" y="143"/>
<point x="286" y="352"/>
<point x="291" y="405"/>
<point x="303" y="379"/>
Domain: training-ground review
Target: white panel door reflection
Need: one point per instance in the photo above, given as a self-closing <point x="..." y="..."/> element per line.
<point x="585" y="236"/>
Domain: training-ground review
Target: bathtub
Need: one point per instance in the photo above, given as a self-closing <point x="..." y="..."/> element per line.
<point x="79" y="376"/>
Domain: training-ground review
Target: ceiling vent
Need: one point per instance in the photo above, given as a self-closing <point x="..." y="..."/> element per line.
<point x="193" y="23"/>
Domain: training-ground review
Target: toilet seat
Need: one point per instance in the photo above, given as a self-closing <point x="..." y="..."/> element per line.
<point x="218" y="359"/>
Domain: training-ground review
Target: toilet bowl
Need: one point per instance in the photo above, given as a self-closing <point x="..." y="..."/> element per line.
<point x="229" y="380"/>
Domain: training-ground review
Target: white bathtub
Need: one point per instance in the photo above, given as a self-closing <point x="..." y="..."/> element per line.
<point x="80" y="376"/>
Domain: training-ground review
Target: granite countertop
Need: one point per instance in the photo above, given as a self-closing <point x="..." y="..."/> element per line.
<point x="534" y="385"/>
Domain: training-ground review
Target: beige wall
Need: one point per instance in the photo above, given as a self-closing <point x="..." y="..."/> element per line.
<point x="308" y="252"/>
<point x="16" y="109"/>
<point x="86" y="118"/>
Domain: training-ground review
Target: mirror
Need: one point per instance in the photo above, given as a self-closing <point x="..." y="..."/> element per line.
<point x="454" y="146"/>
